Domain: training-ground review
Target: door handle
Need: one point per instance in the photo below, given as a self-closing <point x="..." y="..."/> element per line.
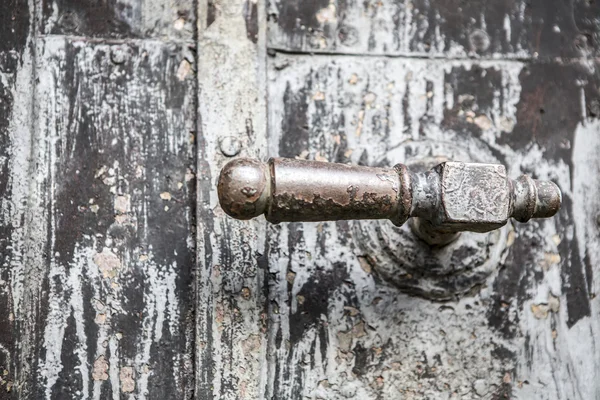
<point x="443" y="201"/>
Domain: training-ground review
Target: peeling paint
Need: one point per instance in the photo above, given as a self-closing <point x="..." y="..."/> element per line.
<point x="518" y="313"/>
<point x="108" y="263"/>
<point x="291" y="310"/>
<point x="99" y="373"/>
<point x="126" y="377"/>
<point x="443" y="29"/>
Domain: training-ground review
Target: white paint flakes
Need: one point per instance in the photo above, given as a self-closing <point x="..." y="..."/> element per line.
<point x="185" y="68"/>
<point x="98" y="263"/>
<point x="179" y="24"/>
<point x="506" y="124"/>
<point x="483" y="122"/>
<point x="507" y="28"/>
<point x="122" y="204"/>
<point x="101" y="171"/>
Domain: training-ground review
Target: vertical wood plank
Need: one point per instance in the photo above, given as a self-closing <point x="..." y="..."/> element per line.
<point x="116" y="155"/>
<point x="231" y="314"/>
<point x="17" y="331"/>
<point x="99" y="206"/>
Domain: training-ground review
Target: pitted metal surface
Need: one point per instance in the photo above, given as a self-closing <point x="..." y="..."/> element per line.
<point x="474" y="196"/>
<point x="450" y="198"/>
<point x="318" y="191"/>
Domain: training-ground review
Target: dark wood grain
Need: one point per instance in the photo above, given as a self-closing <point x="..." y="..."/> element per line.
<point x="119" y="18"/>
<point x="99" y="203"/>
<point x="14" y="31"/>
<point x="449" y="28"/>
<point x="118" y="148"/>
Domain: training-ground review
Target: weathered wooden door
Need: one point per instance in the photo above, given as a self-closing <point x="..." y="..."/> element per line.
<point x="120" y="276"/>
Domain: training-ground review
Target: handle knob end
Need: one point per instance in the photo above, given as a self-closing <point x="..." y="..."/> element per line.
<point x="243" y="188"/>
<point x="549" y="199"/>
<point x="535" y="199"/>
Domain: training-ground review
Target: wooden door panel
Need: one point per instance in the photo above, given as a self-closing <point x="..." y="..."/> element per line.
<point x="99" y="210"/>
<point x="14" y="30"/>
<point x="231" y="313"/>
<point x="342" y="332"/>
<point x="118" y="19"/>
<point x="116" y="150"/>
<point x="103" y="126"/>
<point x="446" y="29"/>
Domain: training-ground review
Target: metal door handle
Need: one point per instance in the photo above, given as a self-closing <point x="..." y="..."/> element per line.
<point x="450" y="198"/>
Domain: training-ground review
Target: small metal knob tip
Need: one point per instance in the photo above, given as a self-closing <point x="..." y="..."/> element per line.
<point x="243" y="188"/>
<point x="549" y="199"/>
<point x="535" y="199"/>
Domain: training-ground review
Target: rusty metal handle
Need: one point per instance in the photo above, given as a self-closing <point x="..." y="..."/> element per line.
<point x="445" y="200"/>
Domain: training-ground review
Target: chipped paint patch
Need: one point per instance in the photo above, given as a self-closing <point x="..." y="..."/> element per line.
<point x="126" y="377"/>
<point x="483" y="122"/>
<point x="75" y="253"/>
<point x="165" y="196"/>
<point x="122" y="204"/>
<point x="327" y="15"/>
<point x="185" y="68"/>
<point x="100" y="370"/>
<point x="108" y="263"/>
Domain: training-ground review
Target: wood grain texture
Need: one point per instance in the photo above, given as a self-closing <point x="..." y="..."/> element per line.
<point x="99" y="213"/>
<point x="160" y="19"/>
<point x="119" y="153"/>
<point x="231" y="309"/>
<point x="449" y="28"/>
<point x="113" y="130"/>
<point x="15" y="114"/>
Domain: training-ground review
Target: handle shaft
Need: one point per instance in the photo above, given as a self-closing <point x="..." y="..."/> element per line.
<point x="318" y="191"/>
<point x="287" y="190"/>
